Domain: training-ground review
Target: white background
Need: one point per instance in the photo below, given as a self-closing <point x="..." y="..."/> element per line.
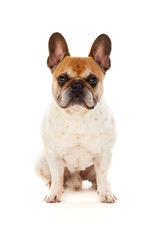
<point x="132" y="90"/>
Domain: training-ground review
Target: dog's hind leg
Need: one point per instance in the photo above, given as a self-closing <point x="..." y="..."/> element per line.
<point x="42" y="169"/>
<point x="90" y="175"/>
<point x="72" y="180"/>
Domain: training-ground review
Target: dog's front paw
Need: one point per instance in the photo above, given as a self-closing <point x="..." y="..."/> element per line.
<point x="108" y="197"/>
<point x="53" y="198"/>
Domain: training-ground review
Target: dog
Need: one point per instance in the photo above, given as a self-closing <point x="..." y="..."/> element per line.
<point x="78" y="128"/>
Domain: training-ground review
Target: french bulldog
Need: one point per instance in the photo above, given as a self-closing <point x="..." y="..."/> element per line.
<point x="78" y="128"/>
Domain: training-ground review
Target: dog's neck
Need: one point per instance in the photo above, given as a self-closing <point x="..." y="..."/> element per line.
<point x="77" y="112"/>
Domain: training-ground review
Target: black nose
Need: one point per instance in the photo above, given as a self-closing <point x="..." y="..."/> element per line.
<point x="77" y="86"/>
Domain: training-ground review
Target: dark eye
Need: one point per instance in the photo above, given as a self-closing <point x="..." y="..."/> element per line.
<point x="92" y="80"/>
<point x="62" y="80"/>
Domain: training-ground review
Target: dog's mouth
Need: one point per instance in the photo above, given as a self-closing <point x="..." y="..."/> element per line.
<point x="77" y="101"/>
<point x="81" y="98"/>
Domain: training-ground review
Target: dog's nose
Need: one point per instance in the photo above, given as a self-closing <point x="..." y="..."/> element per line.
<point x="77" y="86"/>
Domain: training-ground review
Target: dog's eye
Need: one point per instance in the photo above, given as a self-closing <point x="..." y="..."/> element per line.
<point x="62" y="80"/>
<point x="92" y="80"/>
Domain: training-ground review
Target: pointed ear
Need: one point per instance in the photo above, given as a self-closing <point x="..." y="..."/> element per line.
<point x="58" y="49"/>
<point x="101" y="50"/>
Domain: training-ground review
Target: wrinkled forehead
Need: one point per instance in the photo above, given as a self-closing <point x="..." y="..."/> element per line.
<point x="78" y="67"/>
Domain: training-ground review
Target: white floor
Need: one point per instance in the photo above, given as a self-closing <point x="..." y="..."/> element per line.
<point x="79" y="216"/>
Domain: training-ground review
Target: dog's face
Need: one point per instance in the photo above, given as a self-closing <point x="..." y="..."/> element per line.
<point x="78" y="81"/>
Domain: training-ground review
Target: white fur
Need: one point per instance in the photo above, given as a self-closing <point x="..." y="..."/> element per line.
<point x="77" y="138"/>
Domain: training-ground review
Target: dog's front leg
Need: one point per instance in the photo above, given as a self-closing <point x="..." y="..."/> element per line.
<point x="102" y="164"/>
<point x="56" y="167"/>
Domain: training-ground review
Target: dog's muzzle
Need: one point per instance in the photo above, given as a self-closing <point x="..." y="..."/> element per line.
<point x="76" y="94"/>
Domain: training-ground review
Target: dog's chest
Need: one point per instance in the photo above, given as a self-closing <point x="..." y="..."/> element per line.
<point x="77" y="140"/>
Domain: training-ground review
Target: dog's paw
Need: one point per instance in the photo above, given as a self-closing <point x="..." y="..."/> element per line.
<point x="53" y="198"/>
<point x="108" y="197"/>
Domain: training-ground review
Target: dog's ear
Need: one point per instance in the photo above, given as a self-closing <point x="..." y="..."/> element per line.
<point x="101" y="50"/>
<point x="58" y="49"/>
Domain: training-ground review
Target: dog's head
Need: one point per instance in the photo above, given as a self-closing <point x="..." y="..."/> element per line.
<point x="78" y="81"/>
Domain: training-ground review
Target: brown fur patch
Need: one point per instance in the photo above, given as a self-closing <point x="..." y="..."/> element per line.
<point x="78" y="67"/>
<point x="43" y="174"/>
